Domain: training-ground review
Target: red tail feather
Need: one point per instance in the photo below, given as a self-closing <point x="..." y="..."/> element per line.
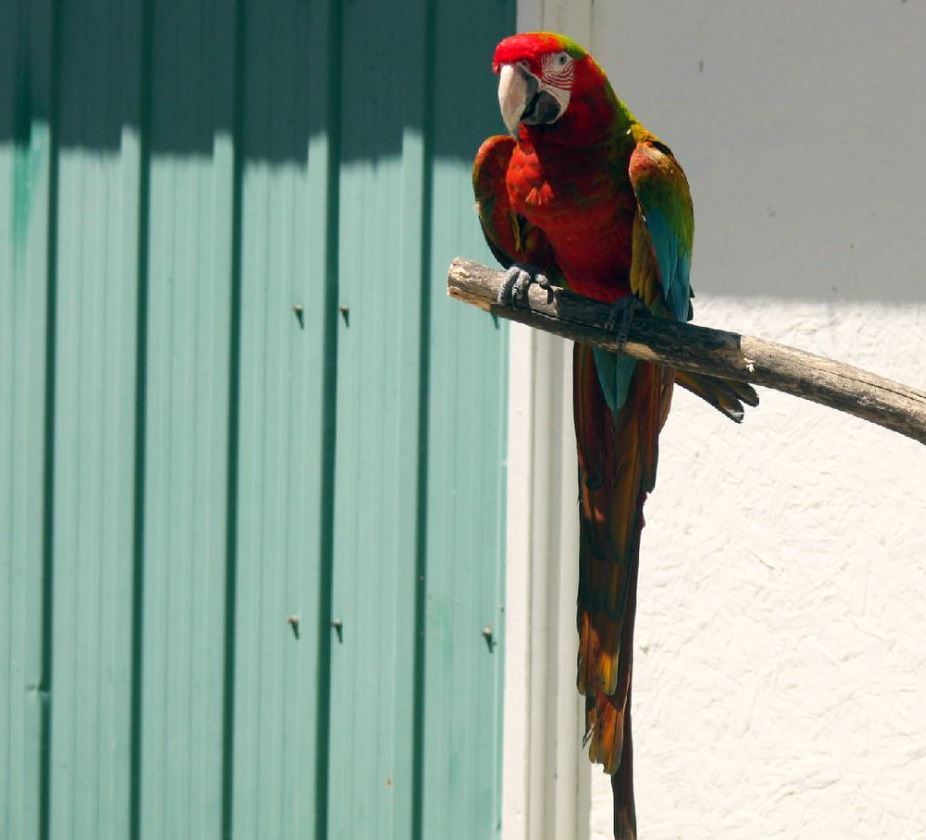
<point x="617" y="468"/>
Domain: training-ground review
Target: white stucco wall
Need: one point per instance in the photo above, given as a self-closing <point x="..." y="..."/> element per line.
<point x="780" y="680"/>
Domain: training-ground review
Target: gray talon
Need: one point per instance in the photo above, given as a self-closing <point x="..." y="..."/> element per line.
<point x="621" y="315"/>
<point x="505" y="290"/>
<point x="517" y="282"/>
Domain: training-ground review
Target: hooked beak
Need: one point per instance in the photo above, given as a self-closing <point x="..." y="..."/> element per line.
<point x="516" y="87"/>
<point x="522" y="98"/>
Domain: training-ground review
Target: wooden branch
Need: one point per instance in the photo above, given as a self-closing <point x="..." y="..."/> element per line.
<point x="715" y="352"/>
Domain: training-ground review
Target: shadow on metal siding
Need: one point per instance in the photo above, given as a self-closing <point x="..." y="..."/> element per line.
<point x="26" y="175"/>
<point x="203" y="463"/>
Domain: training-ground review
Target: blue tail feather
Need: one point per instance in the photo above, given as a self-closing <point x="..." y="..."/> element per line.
<point x="615" y="371"/>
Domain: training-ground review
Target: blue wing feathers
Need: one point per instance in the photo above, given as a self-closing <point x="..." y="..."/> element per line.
<point x="665" y="204"/>
<point x="674" y="263"/>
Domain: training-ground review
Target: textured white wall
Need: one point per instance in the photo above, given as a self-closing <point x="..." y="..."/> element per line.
<point x="780" y="672"/>
<point x="780" y="681"/>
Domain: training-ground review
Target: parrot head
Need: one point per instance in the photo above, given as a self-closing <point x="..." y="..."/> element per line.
<point x="543" y="76"/>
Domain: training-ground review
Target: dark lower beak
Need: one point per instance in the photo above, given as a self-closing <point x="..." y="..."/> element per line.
<point x="541" y="109"/>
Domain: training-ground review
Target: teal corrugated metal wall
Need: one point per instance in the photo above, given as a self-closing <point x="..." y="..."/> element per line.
<point x="251" y="457"/>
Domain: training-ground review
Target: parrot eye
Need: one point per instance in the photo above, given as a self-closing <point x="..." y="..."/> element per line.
<point x="558" y="66"/>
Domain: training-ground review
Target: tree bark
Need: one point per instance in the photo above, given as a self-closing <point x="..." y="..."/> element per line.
<point x="728" y="355"/>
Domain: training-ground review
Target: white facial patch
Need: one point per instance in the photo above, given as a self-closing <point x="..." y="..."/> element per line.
<point x="558" y="71"/>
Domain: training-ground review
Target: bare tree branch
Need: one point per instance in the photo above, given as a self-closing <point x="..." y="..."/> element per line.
<point x="715" y="352"/>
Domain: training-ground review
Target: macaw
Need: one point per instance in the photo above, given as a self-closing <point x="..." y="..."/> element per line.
<point x="580" y="194"/>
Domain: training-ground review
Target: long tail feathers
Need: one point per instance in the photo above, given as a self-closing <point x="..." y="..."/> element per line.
<point x="625" y="815"/>
<point x="617" y="468"/>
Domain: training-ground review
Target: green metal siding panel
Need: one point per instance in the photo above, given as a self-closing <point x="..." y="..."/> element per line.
<point x="94" y="427"/>
<point x="25" y="167"/>
<point x="187" y="462"/>
<point x="375" y="526"/>
<point x="403" y="216"/>
<point x="190" y="309"/>
<point x="466" y="495"/>
<point x="281" y="447"/>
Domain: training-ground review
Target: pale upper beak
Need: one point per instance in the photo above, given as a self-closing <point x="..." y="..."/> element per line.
<point x="516" y="88"/>
<point x="523" y="98"/>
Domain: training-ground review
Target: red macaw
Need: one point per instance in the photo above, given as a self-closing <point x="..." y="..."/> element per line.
<point x="581" y="194"/>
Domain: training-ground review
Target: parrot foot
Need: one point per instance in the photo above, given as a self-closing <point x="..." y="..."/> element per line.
<point x="517" y="281"/>
<point x="621" y="316"/>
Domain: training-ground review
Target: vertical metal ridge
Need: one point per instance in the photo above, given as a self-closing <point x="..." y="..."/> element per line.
<point x="141" y="383"/>
<point x="48" y="467"/>
<point x="329" y="422"/>
<point x="424" y="387"/>
<point x="234" y="412"/>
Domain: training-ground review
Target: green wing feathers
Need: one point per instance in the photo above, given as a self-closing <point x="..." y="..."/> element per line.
<point x="664" y="223"/>
<point x="663" y="233"/>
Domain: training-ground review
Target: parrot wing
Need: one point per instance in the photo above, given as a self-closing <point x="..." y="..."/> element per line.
<point x="511" y="237"/>
<point x="663" y="229"/>
<point x="662" y="237"/>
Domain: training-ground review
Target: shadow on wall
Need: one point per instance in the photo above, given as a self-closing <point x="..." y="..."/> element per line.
<point x="798" y="127"/>
<point x="96" y="64"/>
